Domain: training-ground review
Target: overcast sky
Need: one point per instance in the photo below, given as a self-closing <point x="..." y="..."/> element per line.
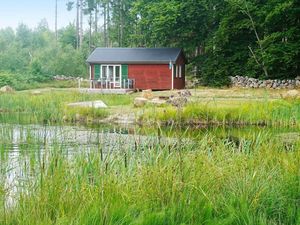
<point x="31" y="12"/>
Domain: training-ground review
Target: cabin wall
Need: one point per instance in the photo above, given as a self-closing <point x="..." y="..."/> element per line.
<point x="92" y="71"/>
<point x="155" y="77"/>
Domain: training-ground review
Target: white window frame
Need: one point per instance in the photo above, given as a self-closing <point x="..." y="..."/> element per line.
<point x="114" y="71"/>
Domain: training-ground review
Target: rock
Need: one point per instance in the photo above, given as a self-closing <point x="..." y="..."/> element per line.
<point x="147" y="94"/>
<point x="91" y="104"/>
<point x="177" y="101"/>
<point x="36" y="92"/>
<point x="184" y="93"/>
<point x="7" y="89"/>
<point x="249" y="82"/>
<point x="78" y="117"/>
<point x="292" y="94"/>
<point x="158" y="101"/>
<point x="140" y="101"/>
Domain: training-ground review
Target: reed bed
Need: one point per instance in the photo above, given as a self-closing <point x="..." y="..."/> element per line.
<point x="51" y="106"/>
<point x="210" y="180"/>
<point x="267" y="112"/>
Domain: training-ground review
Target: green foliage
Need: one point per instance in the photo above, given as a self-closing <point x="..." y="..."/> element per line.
<point x="220" y="38"/>
<point x="35" y="55"/>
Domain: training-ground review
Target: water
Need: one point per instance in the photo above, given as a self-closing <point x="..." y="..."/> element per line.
<point x="25" y="148"/>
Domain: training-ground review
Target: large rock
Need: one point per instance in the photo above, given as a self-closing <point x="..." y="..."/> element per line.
<point x="184" y="93"/>
<point x="177" y="101"/>
<point x="147" y="94"/>
<point x="91" y="104"/>
<point x="140" y="101"/>
<point x="6" y="89"/>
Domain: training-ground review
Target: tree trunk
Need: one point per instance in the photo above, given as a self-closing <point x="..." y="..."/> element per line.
<point x="105" y="24"/>
<point x="108" y="24"/>
<point x="96" y="18"/>
<point x="81" y="24"/>
<point x="56" y="36"/>
<point x="77" y="24"/>
<point x="90" y="32"/>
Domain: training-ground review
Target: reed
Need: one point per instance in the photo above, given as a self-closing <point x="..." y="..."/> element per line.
<point x="209" y="180"/>
<point x="51" y="106"/>
<point x="275" y="113"/>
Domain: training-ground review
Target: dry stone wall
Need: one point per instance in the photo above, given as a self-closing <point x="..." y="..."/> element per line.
<point x="248" y="82"/>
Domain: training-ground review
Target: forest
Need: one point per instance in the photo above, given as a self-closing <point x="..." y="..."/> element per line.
<point x="257" y="38"/>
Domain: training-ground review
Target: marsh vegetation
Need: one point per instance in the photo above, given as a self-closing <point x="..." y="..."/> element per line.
<point x="53" y="172"/>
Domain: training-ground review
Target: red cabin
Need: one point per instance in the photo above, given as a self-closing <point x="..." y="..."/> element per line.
<point x="137" y="68"/>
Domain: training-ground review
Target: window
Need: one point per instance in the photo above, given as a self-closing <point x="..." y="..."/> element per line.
<point x="180" y="71"/>
<point x="104" y="73"/>
<point x="174" y="70"/>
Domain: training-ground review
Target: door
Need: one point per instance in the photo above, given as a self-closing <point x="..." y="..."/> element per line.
<point x="117" y="76"/>
<point x="111" y="75"/>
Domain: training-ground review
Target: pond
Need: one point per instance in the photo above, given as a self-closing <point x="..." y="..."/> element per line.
<point x="25" y="149"/>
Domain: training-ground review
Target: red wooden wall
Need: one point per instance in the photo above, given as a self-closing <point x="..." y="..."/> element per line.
<point x="155" y="77"/>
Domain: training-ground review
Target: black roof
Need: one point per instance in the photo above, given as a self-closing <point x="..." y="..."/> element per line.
<point x="135" y="55"/>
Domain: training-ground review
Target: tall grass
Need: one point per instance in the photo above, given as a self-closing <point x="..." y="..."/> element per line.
<point x="51" y="106"/>
<point x="207" y="181"/>
<point x="279" y="112"/>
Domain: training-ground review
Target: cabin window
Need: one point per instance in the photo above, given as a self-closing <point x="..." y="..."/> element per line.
<point x="177" y="71"/>
<point x="180" y="71"/>
<point x="104" y="73"/>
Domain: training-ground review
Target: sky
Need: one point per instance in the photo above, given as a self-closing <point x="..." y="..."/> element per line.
<point x="31" y="12"/>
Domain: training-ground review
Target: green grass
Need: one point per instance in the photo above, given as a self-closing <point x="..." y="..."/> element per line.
<point x="209" y="181"/>
<point x="50" y="106"/>
<point x="268" y="112"/>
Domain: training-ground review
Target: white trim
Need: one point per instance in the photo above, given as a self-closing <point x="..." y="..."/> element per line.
<point x="90" y="76"/>
<point x="172" y="77"/>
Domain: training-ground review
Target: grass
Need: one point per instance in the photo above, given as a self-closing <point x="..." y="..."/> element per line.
<point x="210" y="179"/>
<point x="268" y="112"/>
<point x="207" y="181"/>
<point x="206" y="107"/>
<point x="50" y="106"/>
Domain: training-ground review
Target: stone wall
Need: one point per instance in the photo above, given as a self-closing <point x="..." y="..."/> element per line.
<point x="247" y="82"/>
<point x="63" y="77"/>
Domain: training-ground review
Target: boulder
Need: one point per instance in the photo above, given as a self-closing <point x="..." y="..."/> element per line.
<point x="177" y="101"/>
<point x="6" y="89"/>
<point x="92" y="104"/>
<point x="147" y="94"/>
<point x="36" y="92"/>
<point x="184" y="93"/>
<point x="140" y="101"/>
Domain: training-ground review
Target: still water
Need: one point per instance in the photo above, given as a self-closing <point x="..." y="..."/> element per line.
<point x="24" y="148"/>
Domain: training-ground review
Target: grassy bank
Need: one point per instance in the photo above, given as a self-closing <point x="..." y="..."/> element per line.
<point x="211" y="181"/>
<point x="229" y="112"/>
<point x="50" y="106"/>
<point x="215" y="107"/>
